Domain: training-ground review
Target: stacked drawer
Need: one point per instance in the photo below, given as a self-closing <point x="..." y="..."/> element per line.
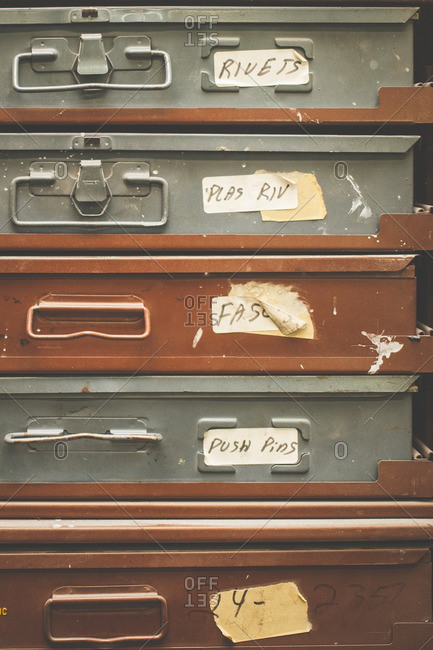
<point x="212" y="338"/>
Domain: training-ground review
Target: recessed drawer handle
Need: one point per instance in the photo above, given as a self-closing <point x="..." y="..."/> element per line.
<point x="88" y="67"/>
<point x="64" y="597"/>
<point x="57" y="435"/>
<point x="49" y="178"/>
<point x="98" y="308"/>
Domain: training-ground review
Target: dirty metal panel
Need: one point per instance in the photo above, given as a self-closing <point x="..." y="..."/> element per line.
<point x="347" y="597"/>
<point x="165" y="56"/>
<point x="203" y="430"/>
<point x="163" y="186"/>
<point x="197" y="315"/>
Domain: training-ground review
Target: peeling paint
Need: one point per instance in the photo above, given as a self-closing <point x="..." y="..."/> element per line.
<point x="197" y="337"/>
<point x="384" y="346"/>
<point x="359" y="200"/>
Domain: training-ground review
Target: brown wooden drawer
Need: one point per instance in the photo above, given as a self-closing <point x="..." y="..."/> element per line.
<point x="355" y="597"/>
<point x="331" y="314"/>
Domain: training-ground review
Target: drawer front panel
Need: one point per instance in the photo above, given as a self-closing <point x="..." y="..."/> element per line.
<point x="352" y="596"/>
<point x="182" y="184"/>
<point x="142" y="320"/>
<point x="168" y="57"/>
<point x="203" y="429"/>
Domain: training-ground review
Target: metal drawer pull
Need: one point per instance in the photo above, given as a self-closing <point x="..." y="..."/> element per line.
<point x="91" y="61"/>
<point x="56" y="435"/>
<point x="51" y="304"/>
<point x="104" y="596"/>
<point x="90" y="192"/>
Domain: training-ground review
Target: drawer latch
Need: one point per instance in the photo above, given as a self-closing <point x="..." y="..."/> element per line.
<point x="91" y="65"/>
<point x="60" y="435"/>
<point x="91" y="186"/>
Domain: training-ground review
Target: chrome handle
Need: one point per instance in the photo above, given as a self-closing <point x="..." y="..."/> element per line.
<point x="49" y="178"/>
<point x="60" y="435"/>
<point x="50" y="54"/>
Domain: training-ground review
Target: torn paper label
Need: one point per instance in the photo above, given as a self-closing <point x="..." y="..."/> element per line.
<point x="231" y="314"/>
<point x="311" y="205"/>
<point x="245" y="614"/>
<point x="263" y="446"/>
<point x="248" y="193"/>
<point x="262" y="308"/>
<point x="249" y="68"/>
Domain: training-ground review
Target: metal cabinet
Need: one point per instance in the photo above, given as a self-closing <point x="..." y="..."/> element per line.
<point x="332" y="597"/>
<point x="213" y="436"/>
<point x="303" y="315"/>
<point x="201" y="57"/>
<point x="154" y="186"/>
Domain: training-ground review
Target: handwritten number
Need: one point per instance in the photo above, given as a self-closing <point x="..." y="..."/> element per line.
<point x="241" y="601"/>
<point x="358" y="593"/>
<point x="389" y="593"/>
<point x="216" y="600"/>
<point x="331" y="599"/>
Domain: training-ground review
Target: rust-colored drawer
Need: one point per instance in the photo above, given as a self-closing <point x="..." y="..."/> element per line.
<point x="349" y="598"/>
<point x="315" y="314"/>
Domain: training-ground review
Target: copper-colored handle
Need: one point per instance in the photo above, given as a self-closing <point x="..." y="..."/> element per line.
<point x="109" y="598"/>
<point x="77" y="306"/>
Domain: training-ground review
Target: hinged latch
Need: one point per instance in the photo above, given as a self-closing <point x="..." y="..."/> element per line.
<point x="92" y="59"/>
<point x="91" y="186"/>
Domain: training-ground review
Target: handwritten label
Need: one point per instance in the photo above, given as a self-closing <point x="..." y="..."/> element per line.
<point x="260" y="612"/>
<point x="240" y="314"/>
<point x="251" y="446"/>
<point x="250" y="68"/>
<point x="248" y="193"/>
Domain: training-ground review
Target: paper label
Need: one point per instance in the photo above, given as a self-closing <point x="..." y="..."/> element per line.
<point x="245" y="614"/>
<point x="248" y="193"/>
<point x="250" y="68"/>
<point x="265" y="446"/>
<point x="240" y="314"/>
<point x="311" y="205"/>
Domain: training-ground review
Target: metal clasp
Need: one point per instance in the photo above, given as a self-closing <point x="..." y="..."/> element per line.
<point x="91" y="187"/>
<point x="92" y="59"/>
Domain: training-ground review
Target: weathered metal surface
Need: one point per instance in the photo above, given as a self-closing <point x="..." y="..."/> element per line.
<point x="394" y="582"/>
<point x="147" y="184"/>
<point x="202" y="531"/>
<point x="412" y="105"/>
<point x="363" y="311"/>
<point x="64" y="508"/>
<point x="147" y="430"/>
<point x="103" y="57"/>
<point x="397" y="232"/>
